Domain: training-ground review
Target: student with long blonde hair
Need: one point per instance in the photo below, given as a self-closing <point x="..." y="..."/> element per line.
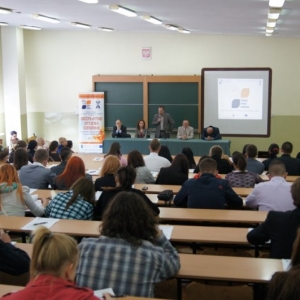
<point x="107" y="174"/>
<point x="52" y="269"/>
<point x="14" y="196"/>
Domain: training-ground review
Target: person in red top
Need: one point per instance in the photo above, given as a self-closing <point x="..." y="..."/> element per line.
<point x="52" y="270"/>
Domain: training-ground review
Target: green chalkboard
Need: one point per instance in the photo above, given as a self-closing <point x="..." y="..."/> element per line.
<point x="123" y="100"/>
<point x="179" y="98"/>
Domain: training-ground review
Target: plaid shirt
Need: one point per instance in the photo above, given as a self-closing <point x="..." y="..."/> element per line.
<point x="112" y="262"/>
<point x="80" y="210"/>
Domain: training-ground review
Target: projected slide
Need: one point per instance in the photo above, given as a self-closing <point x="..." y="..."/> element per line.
<point x="240" y="99"/>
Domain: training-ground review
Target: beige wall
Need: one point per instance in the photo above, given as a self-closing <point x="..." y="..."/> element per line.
<point x="60" y="64"/>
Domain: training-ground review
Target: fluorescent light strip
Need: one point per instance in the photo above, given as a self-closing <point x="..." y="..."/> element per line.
<point x="271" y="23"/>
<point x="171" y="27"/>
<point x="81" y="25"/>
<point x="5" y="10"/>
<point x="184" y="31"/>
<point x="268" y="34"/>
<point x="152" y="20"/>
<point x="89" y="1"/>
<point x="30" y="27"/>
<point x="274" y="13"/>
<point x="45" y="18"/>
<point x="269" y="29"/>
<point x="123" y="10"/>
<point x="276" y="3"/>
<point x="105" y="29"/>
<point x="3" y="24"/>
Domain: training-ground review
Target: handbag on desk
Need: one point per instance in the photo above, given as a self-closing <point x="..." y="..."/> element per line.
<point x="167" y="196"/>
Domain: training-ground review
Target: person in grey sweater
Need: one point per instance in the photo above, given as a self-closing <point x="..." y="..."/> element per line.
<point x="36" y="176"/>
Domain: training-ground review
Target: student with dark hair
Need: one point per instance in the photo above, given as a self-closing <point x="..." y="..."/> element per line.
<point x="131" y="253"/>
<point x="77" y="203"/>
<point x="70" y="145"/>
<point x="187" y="151"/>
<point x="176" y="174"/>
<point x="253" y="165"/>
<point x="286" y="285"/>
<point x="223" y="165"/>
<point x="115" y="149"/>
<point x="240" y="177"/>
<point x="207" y="191"/>
<point x="32" y="147"/>
<point x="4" y="152"/>
<point x="65" y="154"/>
<point x="53" y="269"/>
<point x="165" y="152"/>
<point x="244" y="151"/>
<point x="53" y="155"/>
<point x="279" y="227"/>
<point x="20" y="158"/>
<point x="143" y="174"/>
<point x="125" y="178"/>
<point x="292" y="165"/>
<point x="273" y="151"/>
<point x="20" y="144"/>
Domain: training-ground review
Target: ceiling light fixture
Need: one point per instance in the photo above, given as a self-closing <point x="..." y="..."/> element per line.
<point x="276" y="3"/>
<point x="268" y="34"/>
<point x="81" y="25"/>
<point x="184" y="31"/>
<point x="274" y="13"/>
<point x="105" y="29"/>
<point x="45" y="18"/>
<point x="271" y="23"/>
<point x="171" y="27"/>
<point x="5" y="10"/>
<point x="123" y="10"/>
<point x="30" y="27"/>
<point x="3" y="24"/>
<point x="152" y="20"/>
<point x="269" y="30"/>
<point x="89" y="1"/>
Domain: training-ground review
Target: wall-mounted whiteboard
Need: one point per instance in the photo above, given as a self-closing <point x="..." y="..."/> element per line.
<point x="237" y="100"/>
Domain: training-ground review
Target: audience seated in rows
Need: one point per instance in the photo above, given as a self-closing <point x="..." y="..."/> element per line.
<point x="273" y="151"/>
<point x="164" y="151"/>
<point x="107" y="174"/>
<point x="65" y="155"/>
<point x="279" y="227"/>
<point x="20" y="144"/>
<point x="207" y="191"/>
<point x="53" y="269"/>
<point x="241" y="177"/>
<point x="77" y="203"/>
<point x="14" y="196"/>
<point x="143" y="174"/>
<point x="74" y="170"/>
<point x="20" y="158"/>
<point x="176" y="174"/>
<point x="53" y="155"/>
<point x="274" y="194"/>
<point x="13" y="261"/>
<point x="131" y="253"/>
<point x="115" y="149"/>
<point x="253" y="165"/>
<point x="36" y="176"/>
<point x="292" y="165"/>
<point x="153" y="161"/>
<point x="125" y="178"/>
<point x="286" y="285"/>
<point x="187" y="151"/>
<point x="223" y="165"/>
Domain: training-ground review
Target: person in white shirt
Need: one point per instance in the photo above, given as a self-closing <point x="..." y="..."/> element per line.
<point x="274" y="194"/>
<point x="153" y="161"/>
<point x="185" y="132"/>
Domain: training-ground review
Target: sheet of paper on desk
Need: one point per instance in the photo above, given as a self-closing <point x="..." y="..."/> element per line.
<point x="167" y="230"/>
<point x="98" y="158"/>
<point x="99" y="293"/>
<point x="35" y="223"/>
<point x="32" y="191"/>
<point x="286" y="264"/>
<point x="93" y="172"/>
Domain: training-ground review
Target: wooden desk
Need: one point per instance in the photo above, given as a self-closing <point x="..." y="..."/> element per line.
<point x="157" y="188"/>
<point x="212" y="215"/>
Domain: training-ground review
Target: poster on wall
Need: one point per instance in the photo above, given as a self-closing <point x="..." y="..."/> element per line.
<point x="91" y="122"/>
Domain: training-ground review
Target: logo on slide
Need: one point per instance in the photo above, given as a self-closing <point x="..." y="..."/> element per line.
<point x="244" y="94"/>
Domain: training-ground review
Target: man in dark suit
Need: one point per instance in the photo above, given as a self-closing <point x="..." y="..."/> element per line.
<point x="164" y="123"/>
<point x="119" y="131"/>
<point x="211" y="133"/>
<point x="280" y="228"/>
<point x="292" y="165"/>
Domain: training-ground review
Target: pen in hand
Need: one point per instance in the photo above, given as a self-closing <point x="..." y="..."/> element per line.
<point x="39" y="223"/>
